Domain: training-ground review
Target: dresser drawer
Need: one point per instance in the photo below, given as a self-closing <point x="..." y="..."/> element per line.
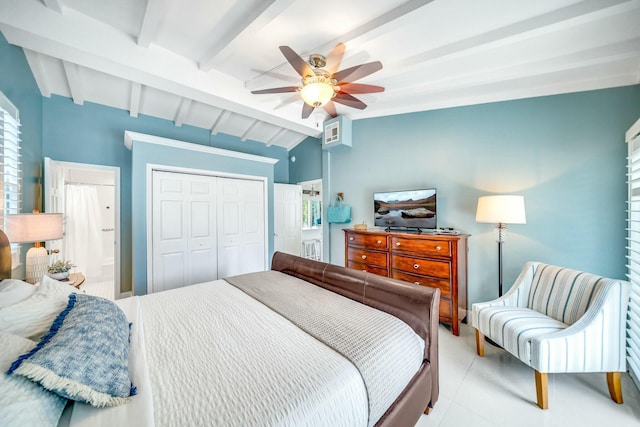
<point x="443" y="285"/>
<point x="368" y="268"/>
<point x="422" y="267"/>
<point x="367" y="240"/>
<point x="426" y="247"/>
<point x="368" y="257"/>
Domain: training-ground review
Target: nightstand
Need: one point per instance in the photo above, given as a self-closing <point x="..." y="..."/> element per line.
<point x="74" y="279"/>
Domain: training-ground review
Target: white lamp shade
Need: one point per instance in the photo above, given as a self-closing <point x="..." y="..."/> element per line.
<point x="506" y="209"/>
<point x="31" y="228"/>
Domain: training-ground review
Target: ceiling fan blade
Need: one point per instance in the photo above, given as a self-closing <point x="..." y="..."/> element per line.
<point x="296" y="61"/>
<point x="334" y="58"/>
<point x="359" y="71"/>
<point x="360" y="88"/>
<point x="330" y="108"/>
<point x="306" y="110"/>
<point x="276" y="90"/>
<point x="349" y="101"/>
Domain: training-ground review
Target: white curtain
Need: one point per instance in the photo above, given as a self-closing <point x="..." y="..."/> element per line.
<point x="83" y="235"/>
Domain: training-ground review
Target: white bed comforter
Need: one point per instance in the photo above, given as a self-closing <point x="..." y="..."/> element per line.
<point x="211" y="355"/>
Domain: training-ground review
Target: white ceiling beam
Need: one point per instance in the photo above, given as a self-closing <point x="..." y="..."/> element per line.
<point x="610" y="53"/>
<point x="151" y="20"/>
<point x="220" y="121"/>
<point x="275" y="137"/>
<point x="74" y="79"/>
<point x="514" y="32"/>
<point x="136" y="97"/>
<point x="109" y="50"/>
<point x="183" y="112"/>
<point x="55" y="5"/>
<point x="245" y="134"/>
<point x="237" y="21"/>
<point x="35" y="62"/>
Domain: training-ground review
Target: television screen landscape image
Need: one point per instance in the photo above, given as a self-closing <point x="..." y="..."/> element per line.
<point x="406" y="209"/>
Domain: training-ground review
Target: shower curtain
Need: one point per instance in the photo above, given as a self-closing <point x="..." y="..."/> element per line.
<point x="83" y="235"/>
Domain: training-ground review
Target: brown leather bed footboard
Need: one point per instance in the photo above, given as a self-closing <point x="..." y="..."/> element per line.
<point x="415" y="305"/>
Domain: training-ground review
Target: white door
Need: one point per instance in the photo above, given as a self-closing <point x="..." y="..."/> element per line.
<point x="183" y="230"/>
<point x="287" y="218"/>
<point x="241" y="226"/>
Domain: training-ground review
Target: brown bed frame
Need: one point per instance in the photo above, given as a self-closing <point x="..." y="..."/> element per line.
<point x="415" y="305"/>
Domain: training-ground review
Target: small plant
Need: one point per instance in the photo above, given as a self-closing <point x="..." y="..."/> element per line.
<point x="60" y="267"/>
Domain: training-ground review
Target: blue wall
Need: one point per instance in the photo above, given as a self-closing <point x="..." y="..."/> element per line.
<point x="564" y="153"/>
<point x="151" y="154"/>
<point x="19" y="86"/>
<point x="308" y="164"/>
<point x="93" y="133"/>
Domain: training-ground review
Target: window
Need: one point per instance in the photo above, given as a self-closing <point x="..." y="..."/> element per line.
<point x="633" y="251"/>
<point x="10" y="165"/>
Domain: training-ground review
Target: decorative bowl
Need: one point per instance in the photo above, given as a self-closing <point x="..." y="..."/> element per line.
<point x="59" y="276"/>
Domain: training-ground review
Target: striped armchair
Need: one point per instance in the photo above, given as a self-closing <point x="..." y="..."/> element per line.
<point x="559" y="320"/>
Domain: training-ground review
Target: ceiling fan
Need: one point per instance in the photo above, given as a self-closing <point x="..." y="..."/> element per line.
<point x="322" y="84"/>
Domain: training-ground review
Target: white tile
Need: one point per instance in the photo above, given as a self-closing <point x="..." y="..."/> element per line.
<point x="499" y="390"/>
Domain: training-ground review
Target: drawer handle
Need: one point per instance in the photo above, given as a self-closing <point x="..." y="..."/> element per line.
<point x="417" y="283"/>
<point x="397" y="243"/>
<point x="364" y="269"/>
<point x="350" y="238"/>
<point x="438" y="248"/>
<point x="379" y="242"/>
<point x="416" y="266"/>
<point x="364" y="257"/>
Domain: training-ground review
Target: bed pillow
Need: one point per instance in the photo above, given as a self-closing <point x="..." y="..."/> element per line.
<point x="22" y="402"/>
<point x="32" y="317"/>
<point x="85" y="355"/>
<point x="13" y="291"/>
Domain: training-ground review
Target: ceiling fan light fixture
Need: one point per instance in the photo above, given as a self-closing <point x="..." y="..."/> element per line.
<point x="317" y="90"/>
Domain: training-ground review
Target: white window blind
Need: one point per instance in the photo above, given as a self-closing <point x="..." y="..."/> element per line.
<point x="633" y="251"/>
<point x="10" y="165"/>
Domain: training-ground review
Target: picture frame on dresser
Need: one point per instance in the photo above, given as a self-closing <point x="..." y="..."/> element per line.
<point x="425" y="259"/>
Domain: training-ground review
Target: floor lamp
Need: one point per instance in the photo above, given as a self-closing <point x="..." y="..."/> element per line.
<point x="501" y="210"/>
<point x="34" y="228"/>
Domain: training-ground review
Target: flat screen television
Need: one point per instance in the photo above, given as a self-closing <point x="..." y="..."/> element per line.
<point x="409" y="209"/>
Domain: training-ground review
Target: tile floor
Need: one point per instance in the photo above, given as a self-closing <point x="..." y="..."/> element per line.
<point x="499" y="390"/>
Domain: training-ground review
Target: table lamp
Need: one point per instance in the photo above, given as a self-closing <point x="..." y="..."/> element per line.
<point x="34" y="228"/>
<point x="501" y="210"/>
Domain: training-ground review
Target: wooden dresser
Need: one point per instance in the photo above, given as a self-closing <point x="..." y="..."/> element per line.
<point x="434" y="260"/>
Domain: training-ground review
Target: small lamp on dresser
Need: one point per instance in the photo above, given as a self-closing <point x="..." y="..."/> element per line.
<point x="501" y="210"/>
<point x="34" y="228"/>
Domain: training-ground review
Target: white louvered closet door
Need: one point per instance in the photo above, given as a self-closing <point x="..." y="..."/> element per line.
<point x="633" y="254"/>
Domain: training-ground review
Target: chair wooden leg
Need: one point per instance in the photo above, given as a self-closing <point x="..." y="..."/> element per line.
<point x="479" y="343"/>
<point x="615" y="387"/>
<point x="427" y="410"/>
<point x="542" y="385"/>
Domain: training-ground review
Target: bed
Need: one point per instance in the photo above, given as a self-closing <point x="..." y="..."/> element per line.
<point x="306" y="343"/>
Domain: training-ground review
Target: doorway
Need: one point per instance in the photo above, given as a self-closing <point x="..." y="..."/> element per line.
<point x="312" y="220"/>
<point x="88" y="196"/>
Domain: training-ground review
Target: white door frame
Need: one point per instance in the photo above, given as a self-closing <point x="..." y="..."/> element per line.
<point x="116" y="190"/>
<point x="151" y="167"/>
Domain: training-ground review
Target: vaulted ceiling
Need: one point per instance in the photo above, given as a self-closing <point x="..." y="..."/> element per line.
<point x="195" y="62"/>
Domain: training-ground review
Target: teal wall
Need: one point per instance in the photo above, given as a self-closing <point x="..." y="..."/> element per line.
<point x="19" y="86"/>
<point x="308" y="164"/>
<point x="93" y="133"/>
<point x="564" y="153"/>
<point x="152" y="154"/>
